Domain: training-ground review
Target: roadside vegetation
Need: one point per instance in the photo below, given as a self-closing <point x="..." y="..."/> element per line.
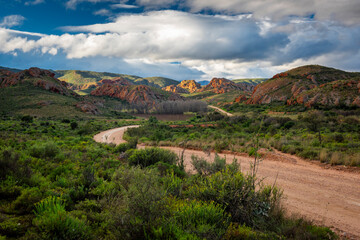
<point x="329" y="136"/>
<point x="57" y="183"/>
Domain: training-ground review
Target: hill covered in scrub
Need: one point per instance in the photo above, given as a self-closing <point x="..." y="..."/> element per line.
<point x="252" y="81"/>
<point x="37" y="92"/>
<point x="37" y="77"/>
<point x="223" y="85"/>
<point x="310" y="85"/>
<point x="135" y="94"/>
<point x="84" y="80"/>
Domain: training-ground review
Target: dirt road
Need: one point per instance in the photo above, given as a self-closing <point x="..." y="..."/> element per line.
<point x="220" y="110"/>
<point x="329" y="197"/>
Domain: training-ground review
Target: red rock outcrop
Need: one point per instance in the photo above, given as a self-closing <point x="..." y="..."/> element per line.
<point x="41" y="78"/>
<point x="223" y="85"/>
<point x="134" y="94"/>
<point x="175" y="89"/>
<point x="309" y="85"/>
<point x="185" y="86"/>
<point x="190" y="85"/>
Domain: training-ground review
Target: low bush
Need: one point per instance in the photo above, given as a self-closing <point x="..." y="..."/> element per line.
<point x="236" y="192"/>
<point x="149" y="156"/>
<point x="53" y="222"/>
<point x="193" y="219"/>
<point x="204" y="167"/>
<point x="44" y="150"/>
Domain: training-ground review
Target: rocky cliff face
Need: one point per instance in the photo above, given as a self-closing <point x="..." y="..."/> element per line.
<point x="190" y="85"/>
<point x="309" y="85"/>
<point x="38" y="77"/>
<point x="175" y="89"/>
<point x="185" y="86"/>
<point x="134" y="94"/>
<point x="223" y="85"/>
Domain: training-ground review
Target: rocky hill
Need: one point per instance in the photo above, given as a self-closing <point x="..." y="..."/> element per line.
<point x="223" y="85"/>
<point x="310" y="85"/>
<point x="140" y="95"/>
<point x="185" y="86"/>
<point x="175" y="89"/>
<point x="37" y="77"/>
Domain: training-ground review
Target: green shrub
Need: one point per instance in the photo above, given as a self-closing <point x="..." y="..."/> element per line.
<point x="123" y="147"/>
<point x="9" y="188"/>
<point x="241" y="232"/>
<point x="73" y="125"/>
<point x="302" y="229"/>
<point x="44" y="150"/>
<point x="204" y="167"/>
<point x="149" y="156"/>
<point x="8" y="163"/>
<point x="309" y="154"/>
<point x="237" y="193"/>
<point x="200" y="220"/>
<point x="53" y="222"/>
<point x="25" y="202"/>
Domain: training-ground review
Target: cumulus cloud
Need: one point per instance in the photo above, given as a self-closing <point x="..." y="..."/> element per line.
<point x="179" y="35"/>
<point x="345" y="11"/>
<point x="12" y="20"/>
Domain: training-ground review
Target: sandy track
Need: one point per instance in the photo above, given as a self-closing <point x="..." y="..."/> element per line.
<point x="220" y="110"/>
<point x="329" y="197"/>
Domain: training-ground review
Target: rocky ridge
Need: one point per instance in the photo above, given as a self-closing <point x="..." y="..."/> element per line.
<point x="185" y="86"/>
<point x="40" y="78"/>
<point x="223" y="85"/>
<point x="310" y="85"/>
<point x="134" y="94"/>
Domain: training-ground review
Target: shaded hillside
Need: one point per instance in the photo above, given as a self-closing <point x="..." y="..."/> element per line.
<point x="223" y="85"/>
<point x="185" y="86"/>
<point x="85" y="80"/>
<point x="139" y="95"/>
<point x="158" y="82"/>
<point x="36" y="77"/>
<point x="310" y="85"/>
<point x="37" y="92"/>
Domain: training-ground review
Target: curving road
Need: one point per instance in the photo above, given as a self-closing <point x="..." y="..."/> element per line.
<point x="327" y="196"/>
<point x="221" y="111"/>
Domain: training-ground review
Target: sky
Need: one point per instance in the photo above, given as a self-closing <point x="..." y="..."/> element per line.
<point x="180" y="39"/>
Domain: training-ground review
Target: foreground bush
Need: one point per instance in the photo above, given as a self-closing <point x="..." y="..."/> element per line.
<point x="150" y="156"/>
<point x="53" y="222"/>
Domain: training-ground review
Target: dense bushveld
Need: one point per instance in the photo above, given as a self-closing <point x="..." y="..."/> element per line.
<point x="331" y="136"/>
<point x="57" y="183"/>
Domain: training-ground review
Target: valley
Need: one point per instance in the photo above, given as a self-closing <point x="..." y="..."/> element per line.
<point x="274" y="158"/>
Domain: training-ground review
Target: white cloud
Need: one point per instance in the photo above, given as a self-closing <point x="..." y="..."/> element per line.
<point x="103" y="12"/>
<point x="345" y="11"/>
<point x="12" y="20"/>
<point x="35" y="2"/>
<point x="125" y="6"/>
